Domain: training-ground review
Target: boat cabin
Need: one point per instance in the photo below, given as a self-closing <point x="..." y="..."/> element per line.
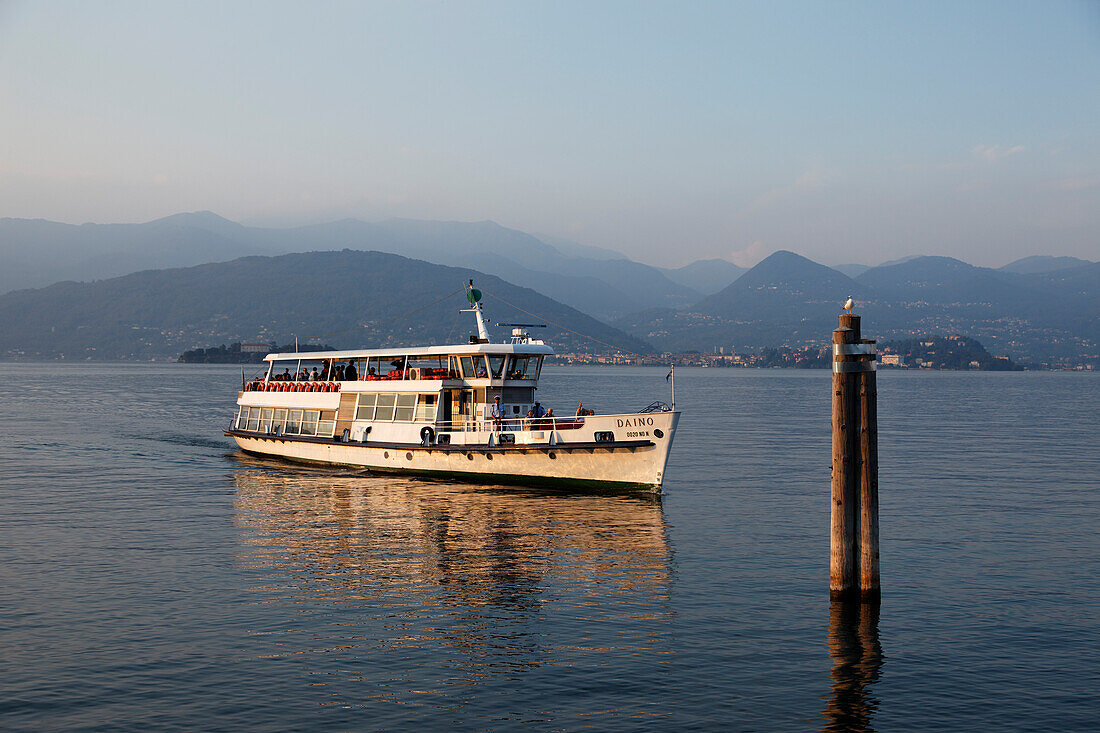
<point x="395" y="395"/>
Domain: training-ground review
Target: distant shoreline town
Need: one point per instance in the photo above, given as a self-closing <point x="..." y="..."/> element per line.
<point x="943" y="353"/>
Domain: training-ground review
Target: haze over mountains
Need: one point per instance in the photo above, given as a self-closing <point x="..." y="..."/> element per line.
<point x="790" y="300"/>
<point x="318" y="296"/>
<point x="1039" y="309"/>
<point x="38" y="252"/>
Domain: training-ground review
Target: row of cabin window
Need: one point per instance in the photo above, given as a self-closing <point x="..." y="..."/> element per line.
<point x="290" y="422"/>
<point x="391" y="406"/>
<point x="492" y="365"/>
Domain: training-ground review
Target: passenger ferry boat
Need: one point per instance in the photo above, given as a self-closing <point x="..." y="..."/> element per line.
<point x="430" y="411"/>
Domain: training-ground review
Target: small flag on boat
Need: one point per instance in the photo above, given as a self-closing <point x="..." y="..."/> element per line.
<point x="669" y="375"/>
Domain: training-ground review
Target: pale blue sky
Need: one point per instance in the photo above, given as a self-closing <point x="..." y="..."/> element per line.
<point x="849" y="132"/>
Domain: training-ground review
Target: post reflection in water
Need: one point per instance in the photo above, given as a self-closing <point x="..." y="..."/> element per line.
<point x="399" y="586"/>
<point x="857" y="662"/>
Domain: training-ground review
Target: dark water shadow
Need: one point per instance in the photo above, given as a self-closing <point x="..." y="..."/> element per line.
<point x="857" y="656"/>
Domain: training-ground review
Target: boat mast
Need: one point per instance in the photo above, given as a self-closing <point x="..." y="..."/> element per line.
<point x="474" y="296"/>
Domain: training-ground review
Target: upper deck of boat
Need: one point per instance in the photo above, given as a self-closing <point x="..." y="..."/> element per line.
<point x="527" y="348"/>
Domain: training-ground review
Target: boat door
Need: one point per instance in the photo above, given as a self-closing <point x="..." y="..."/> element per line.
<point x="462" y="407"/>
<point x="445" y="407"/>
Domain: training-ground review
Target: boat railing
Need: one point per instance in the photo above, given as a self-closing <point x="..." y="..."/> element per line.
<point x="509" y="424"/>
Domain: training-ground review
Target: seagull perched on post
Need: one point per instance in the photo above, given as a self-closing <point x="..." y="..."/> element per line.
<point x="849" y="304"/>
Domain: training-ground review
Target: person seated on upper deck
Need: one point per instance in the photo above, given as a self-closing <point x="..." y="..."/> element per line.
<point x="339" y="376"/>
<point x="313" y="376"/>
<point x="326" y="367"/>
<point x="372" y="373"/>
<point x="350" y="372"/>
<point x="285" y="376"/>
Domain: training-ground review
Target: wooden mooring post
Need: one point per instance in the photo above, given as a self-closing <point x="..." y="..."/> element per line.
<point x="853" y="551"/>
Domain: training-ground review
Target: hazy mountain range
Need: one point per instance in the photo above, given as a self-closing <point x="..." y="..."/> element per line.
<point x="597" y="281"/>
<point x="789" y="299"/>
<point x="1038" y="308"/>
<point x="318" y="296"/>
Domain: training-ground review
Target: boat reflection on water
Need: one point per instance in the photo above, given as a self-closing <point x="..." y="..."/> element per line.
<point x="857" y="663"/>
<point x="405" y="576"/>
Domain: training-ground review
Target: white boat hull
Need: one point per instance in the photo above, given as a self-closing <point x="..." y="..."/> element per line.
<point x="567" y="460"/>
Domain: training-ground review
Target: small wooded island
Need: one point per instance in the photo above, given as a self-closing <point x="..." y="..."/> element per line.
<point x="238" y="353"/>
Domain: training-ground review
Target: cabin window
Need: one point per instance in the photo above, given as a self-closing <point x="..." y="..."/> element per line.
<point x="425" y="408"/>
<point x="280" y="418"/>
<point x="399" y="407"/>
<point x="522" y="367"/>
<point x="385" y="407"/>
<point x="309" y="422"/>
<point x="406" y="406"/>
<point x="294" y="422"/>
<point x="254" y="419"/>
<point x="365" y="409"/>
<point x="473" y="367"/>
<point x="496" y="365"/>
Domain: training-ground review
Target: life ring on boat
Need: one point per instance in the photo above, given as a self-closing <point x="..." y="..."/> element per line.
<point x="427" y="435"/>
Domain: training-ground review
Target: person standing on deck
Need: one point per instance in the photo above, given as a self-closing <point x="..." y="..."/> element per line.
<point x="497" y="412"/>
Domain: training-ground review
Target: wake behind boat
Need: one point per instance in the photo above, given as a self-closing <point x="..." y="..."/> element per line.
<point x="468" y="411"/>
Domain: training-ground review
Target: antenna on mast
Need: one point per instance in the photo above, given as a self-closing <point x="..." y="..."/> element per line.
<point x="474" y="296"/>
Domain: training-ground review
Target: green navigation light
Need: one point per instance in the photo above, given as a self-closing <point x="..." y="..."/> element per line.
<point x="473" y="295"/>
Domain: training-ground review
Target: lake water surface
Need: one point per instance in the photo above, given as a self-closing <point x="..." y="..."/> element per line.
<point x="155" y="577"/>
